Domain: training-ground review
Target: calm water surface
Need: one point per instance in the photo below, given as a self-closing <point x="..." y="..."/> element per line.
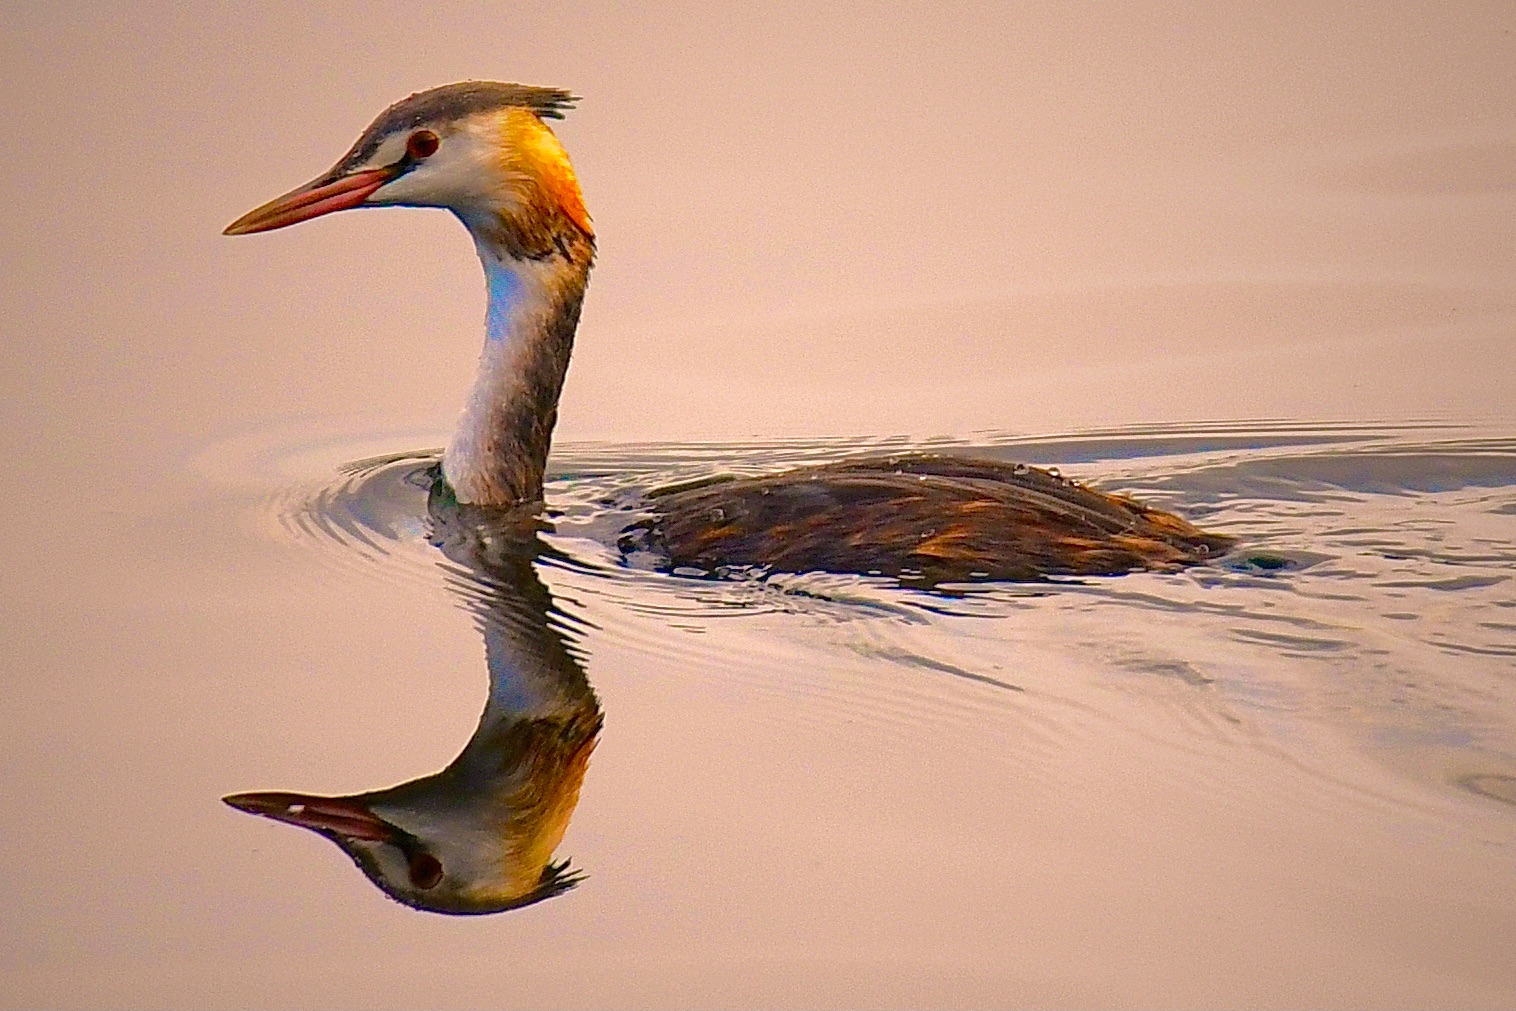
<point x="1286" y="778"/>
<point x="1289" y="773"/>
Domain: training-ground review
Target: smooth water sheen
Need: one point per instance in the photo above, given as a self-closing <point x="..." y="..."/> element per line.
<point x="1289" y="773"/>
<point x="1286" y="778"/>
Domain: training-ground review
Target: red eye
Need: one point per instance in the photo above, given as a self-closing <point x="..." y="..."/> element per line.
<point x="425" y="870"/>
<point x="423" y="144"/>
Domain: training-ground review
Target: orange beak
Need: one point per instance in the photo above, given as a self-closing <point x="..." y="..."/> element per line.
<point x="328" y="815"/>
<point x="323" y="196"/>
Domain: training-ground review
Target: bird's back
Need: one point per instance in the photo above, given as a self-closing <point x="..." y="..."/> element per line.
<point x="924" y="517"/>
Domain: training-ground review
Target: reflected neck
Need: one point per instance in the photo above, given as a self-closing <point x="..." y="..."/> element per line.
<point x="498" y="453"/>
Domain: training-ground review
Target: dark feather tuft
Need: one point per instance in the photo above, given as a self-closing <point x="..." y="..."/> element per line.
<point x="454" y="101"/>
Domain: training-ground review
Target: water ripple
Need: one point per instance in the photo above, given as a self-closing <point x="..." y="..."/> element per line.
<point x="1368" y="600"/>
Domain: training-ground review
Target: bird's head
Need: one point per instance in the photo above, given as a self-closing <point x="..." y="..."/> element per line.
<point x="477" y="837"/>
<point x="479" y="149"/>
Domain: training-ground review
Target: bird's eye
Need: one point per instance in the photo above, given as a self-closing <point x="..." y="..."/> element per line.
<point x="422" y="144"/>
<point x="425" y="871"/>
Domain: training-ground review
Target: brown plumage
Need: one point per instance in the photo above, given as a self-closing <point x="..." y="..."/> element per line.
<point x="483" y="151"/>
<point x="922" y="517"/>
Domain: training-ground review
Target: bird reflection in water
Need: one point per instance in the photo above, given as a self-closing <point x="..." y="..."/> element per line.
<point x="479" y="836"/>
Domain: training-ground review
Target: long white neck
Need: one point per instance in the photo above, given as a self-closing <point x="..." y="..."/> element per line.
<point x="498" y="452"/>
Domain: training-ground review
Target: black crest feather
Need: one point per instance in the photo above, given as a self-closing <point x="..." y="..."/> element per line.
<point x="454" y="101"/>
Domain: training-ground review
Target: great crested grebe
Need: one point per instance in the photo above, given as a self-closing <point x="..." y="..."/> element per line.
<point x="483" y="151"/>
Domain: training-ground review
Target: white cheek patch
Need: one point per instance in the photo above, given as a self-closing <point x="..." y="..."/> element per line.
<point x="462" y="174"/>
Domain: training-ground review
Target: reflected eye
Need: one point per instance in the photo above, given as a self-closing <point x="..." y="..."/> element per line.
<point x="422" y="144"/>
<point x="425" y="871"/>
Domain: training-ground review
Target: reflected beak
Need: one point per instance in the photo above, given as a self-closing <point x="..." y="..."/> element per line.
<point x="323" y="196"/>
<point x="341" y="816"/>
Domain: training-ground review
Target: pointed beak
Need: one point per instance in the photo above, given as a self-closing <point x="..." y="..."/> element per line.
<point x="321" y="196"/>
<point x="343" y="816"/>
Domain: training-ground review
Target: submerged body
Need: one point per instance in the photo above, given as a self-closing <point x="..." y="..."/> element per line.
<point x="483" y="151"/>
